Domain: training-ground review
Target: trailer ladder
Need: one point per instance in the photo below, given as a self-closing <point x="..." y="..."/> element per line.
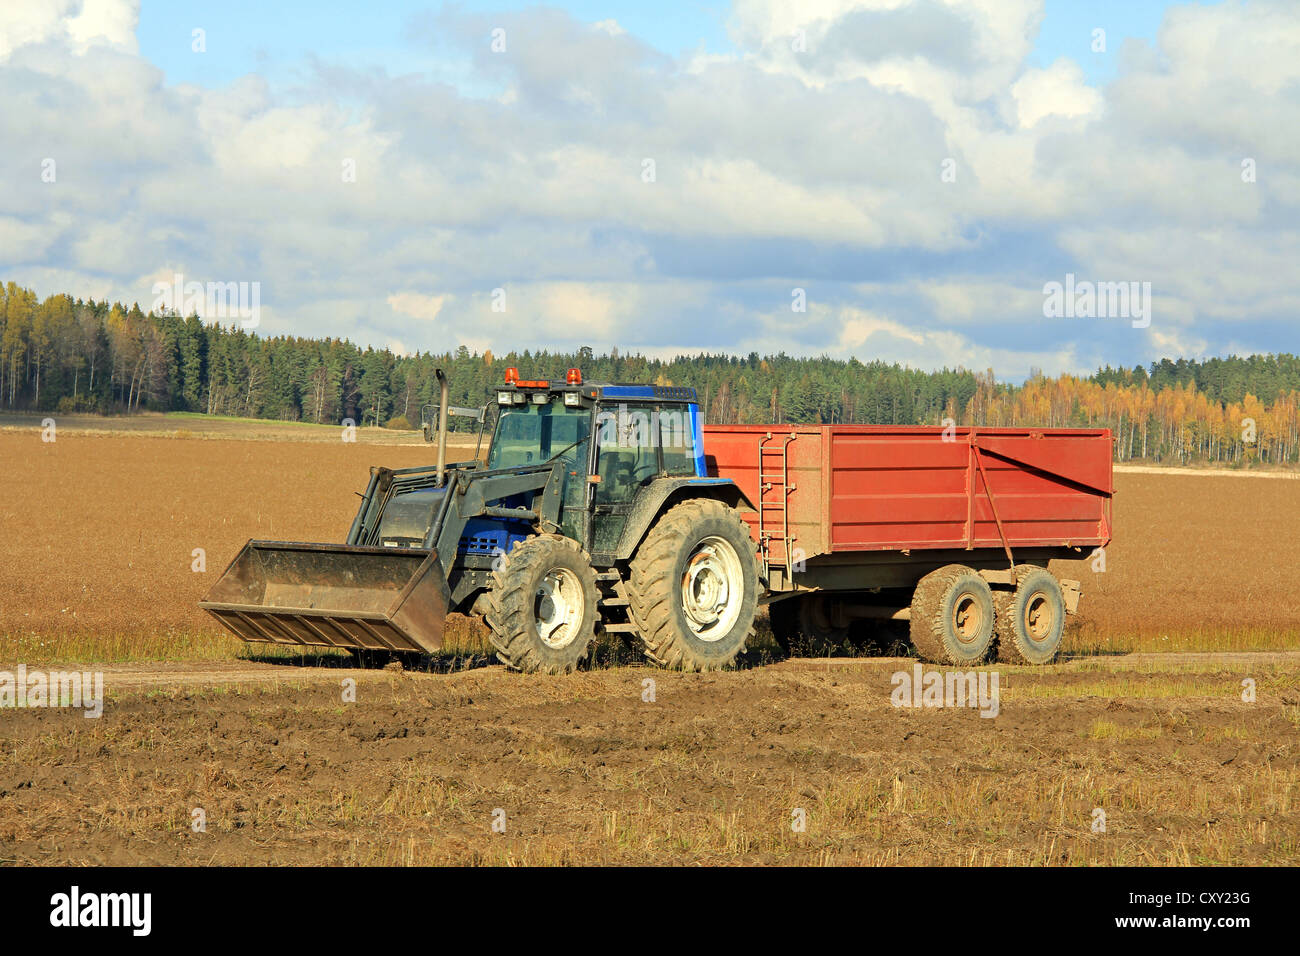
<point x="774" y="502"/>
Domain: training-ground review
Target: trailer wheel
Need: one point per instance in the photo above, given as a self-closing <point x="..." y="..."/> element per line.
<point x="542" y="607"/>
<point x="783" y="619"/>
<point x="804" y="623"/>
<point x="952" y="616"/>
<point x="1030" y="619"/>
<point x="692" y="587"/>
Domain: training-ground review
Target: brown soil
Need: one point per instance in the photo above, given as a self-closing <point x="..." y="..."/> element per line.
<point x="712" y="771"/>
<point x="100" y="529"/>
<point x="1197" y="563"/>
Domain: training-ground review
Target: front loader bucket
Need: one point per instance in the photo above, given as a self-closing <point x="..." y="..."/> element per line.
<point x="327" y="595"/>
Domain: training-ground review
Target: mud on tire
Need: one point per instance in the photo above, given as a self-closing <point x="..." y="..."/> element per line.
<point x="692" y="587"/>
<point x="542" y="607"/>
<point x="1030" y="621"/>
<point x="952" y="617"/>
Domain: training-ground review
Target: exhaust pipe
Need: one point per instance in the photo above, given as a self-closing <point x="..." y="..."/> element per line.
<point x="442" y="426"/>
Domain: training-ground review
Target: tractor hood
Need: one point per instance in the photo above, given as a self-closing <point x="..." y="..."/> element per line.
<point x="408" y="517"/>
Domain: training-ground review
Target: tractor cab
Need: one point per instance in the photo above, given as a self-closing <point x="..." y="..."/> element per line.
<point x="613" y="441"/>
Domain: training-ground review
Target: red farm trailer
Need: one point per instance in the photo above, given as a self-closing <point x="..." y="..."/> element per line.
<point x="939" y="527"/>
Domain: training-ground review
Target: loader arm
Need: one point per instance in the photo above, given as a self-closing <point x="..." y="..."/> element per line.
<point x="387" y="587"/>
<point x="474" y="495"/>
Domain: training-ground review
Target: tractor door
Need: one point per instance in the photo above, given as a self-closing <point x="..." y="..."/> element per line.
<point x="635" y="444"/>
<point x="626" y="459"/>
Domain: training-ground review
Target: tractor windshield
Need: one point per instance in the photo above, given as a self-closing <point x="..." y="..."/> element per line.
<point x="531" y="434"/>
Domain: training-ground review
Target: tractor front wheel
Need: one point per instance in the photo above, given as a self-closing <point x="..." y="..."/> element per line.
<point x="542" y="607"/>
<point x="692" y="587"/>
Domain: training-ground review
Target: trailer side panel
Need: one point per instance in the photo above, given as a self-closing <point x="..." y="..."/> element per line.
<point x="851" y="488"/>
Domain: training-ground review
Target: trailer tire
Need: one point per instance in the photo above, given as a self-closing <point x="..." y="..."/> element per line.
<point x="692" y="587"/>
<point x="542" y="607"/>
<point x="783" y="619"/>
<point x="803" y="624"/>
<point x="952" y="617"/>
<point x="1030" y="621"/>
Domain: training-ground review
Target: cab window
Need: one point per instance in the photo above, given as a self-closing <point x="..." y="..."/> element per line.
<point x="627" y="457"/>
<point x="533" y="434"/>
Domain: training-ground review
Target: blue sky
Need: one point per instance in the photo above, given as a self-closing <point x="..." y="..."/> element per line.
<point x="671" y="178"/>
<point x="277" y="39"/>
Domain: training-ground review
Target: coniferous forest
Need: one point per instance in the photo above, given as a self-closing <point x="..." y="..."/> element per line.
<point x="67" y="355"/>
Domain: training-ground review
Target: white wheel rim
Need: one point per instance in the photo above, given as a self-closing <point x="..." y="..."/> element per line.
<point x="558" y="608"/>
<point x="712" y="589"/>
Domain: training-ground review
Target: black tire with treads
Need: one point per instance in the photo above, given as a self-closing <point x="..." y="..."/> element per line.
<point x="799" y="624"/>
<point x="655" y="581"/>
<point x="511" y="614"/>
<point x="783" y="619"/>
<point x="932" y="628"/>
<point x="1020" y="639"/>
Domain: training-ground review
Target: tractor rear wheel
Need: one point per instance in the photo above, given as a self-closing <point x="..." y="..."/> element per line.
<point x="952" y="616"/>
<point x="692" y="587"/>
<point x="542" y="607"/>
<point x="1030" y="619"/>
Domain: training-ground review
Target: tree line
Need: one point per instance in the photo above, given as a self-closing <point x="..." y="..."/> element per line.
<point x="69" y="355"/>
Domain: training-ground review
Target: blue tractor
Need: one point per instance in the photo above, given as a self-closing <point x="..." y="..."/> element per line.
<point x="592" y="512"/>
